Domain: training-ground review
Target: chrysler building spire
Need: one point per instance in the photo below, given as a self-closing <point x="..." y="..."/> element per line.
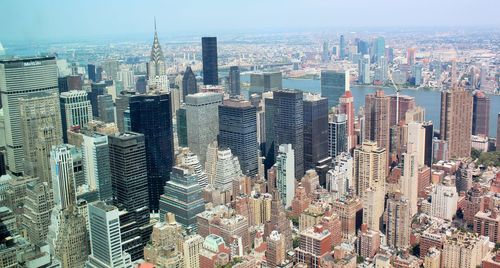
<point x="157" y="74"/>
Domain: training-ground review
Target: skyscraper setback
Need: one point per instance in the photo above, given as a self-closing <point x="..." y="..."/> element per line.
<point x="209" y="54"/>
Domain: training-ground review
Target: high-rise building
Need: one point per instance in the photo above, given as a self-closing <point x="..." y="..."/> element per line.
<point x="342" y="47"/>
<point x="209" y="54"/>
<point x="456" y="121"/>
<point x="409" y="180"/>
<point x="189" y="159"/>
<point x="105" y="237"/>
<point x="398" y="225"/>
<point x="285" y="175"/>
<point x="406" y="103"/>
<point x="223" y="170"/>
<point x="191" y="248"/>
<point x="289" y="125"/>
<point x="122" y="104"/>
<point x="95" y="150"/>
<point x="444" y="200"/>
<point x="464" y="249"/>
<point x="315" y="243"/>
<point x="183" y="197"/>
<point x="38" y="205"/>
<point x="189" y="85"/>
<point x="368" y="242"/>
<point x="364" y="70"/>
<point x="264" y="82"/>
<point x="275" y="253"/>
<point x="151" y="115"/>
<point x="91" y="72"/>
<point x="315" y="129"/>
<point x="164" y="249"/>
<point x="181" y="126"/>
<point x="238" y="131"/>
<point x="333" y="85"/>
<point x="127" y="161"/>
<point x="429" y="135"/>
<point x="347" y="108"/>
<point x="76" y="110"/>
<point x="234" y="81"/>
<point x="337" y="134"/>
<point x="21" y="78"/>
<point x="417" y="74"/>
<point x="96" y="90"/>
<point x="63" y="176"/>
<point x="377" y="114"/>
<point x="41" y="127"/>
<point x="410" y="58"/>
<point x="157" y="70"/>
<point x="480" y="114"/>
<point x="487" y="223"/>
<point x="106" y="108"/>
<point x="370" y="167"/>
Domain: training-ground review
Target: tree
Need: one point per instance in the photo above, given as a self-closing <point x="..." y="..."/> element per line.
<point x="475" y="153"/>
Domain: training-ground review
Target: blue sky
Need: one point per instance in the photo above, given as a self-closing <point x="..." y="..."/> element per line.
<point x="68" y="19"/>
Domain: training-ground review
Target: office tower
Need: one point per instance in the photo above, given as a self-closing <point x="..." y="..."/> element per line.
<point x="456" y="122"/>
<point x="409" y="180"/>
<point x="464" y="249"/>
<point x="189" y="85"/>
<point x="105" y="237"/>
<point x="480" y="114"/>
<point x="347" y="108"/>
<point x="398" y="225"/>
<point x="141" y="84"/>
<point x="379" y="49"/>
<point x="364" y="70"/>
<point x="21" y="79"/>
<point x="410" y="57"/>
<point x="110" y="68"/>
<point x="183" y="197"/>
<point x="289" y="125"/>
<point x="38" y="205"/>
<point x="40" y="120"/>
<point x="189" y="159"/>
<point x="97" y="89"/>
<point x="315" y="120"/>
<point x="444" y="201"/>
<point x="264" y="82"/>
<point x="209" y="54"/>
<point x="325" y="56"/>
<point x="362" y="47"/>
<point x="417" y="74"/>
<point x="406" y="104"/>
<point x="315" y="244"/>
<point x="122" y="104"/>
<point x="337" y="134"/>
<point x="377" y="114"/>
<point x="238" y="132"/>
<point x="333" y="85"/>
<point x="285" y="179"/>
<point x="68" y="237"/>
<point x="181" y="122"/>
<point x="126" y="76"/>
<point x="106" y="108"/>
<point x="269" y="114"/>
<point x="63" y="177"/>
<point x="98" y="74"/>
<point x="191" y="248"/>
<point x="370" y="165"/>
<point x="91" y="72"/>
<point x="76" y="110"/>
<point x="342" y="48"/>
<point x="225" y="169"/>
<point x="95" y="150"/>
<point x="129" y="177"/>
<point x="202" y="119"/>
<point x="164" y="248"/>
<point x="151" y="115"/>
<point x="234" y="81"/>
<point x="429" y="135"/>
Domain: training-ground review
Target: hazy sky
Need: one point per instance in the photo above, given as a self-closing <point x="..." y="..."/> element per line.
<point x="69" y="19"/>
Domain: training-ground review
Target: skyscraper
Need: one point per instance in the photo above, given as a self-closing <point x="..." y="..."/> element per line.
<point x="342" y="47"/>
<point x="285" y="175"/>
<point x="364" y="70"/>
<point x="315" y="129"/>
<point x="76" y="110"/>
<point x="183" y="197"/>
<point x="429" y="135"/>
<point x="224" y="170"/>
<point x="122" y="104"/>
<point x="209" y="54"/>
<point x="347" y="108"/>
<point x="181" y="127"/>
<point x="41" y="127"/>
<point x="379" y="49"/>
<point x="480" y="114"/>
<point x="238" y="131"/>
<point x="151" y="115"/>
<point x="377" y="114"/>
<point x="202" y="117"/>
<point x="337" y="134"/>
<point x="97" y="89"/>
<point x="398" y="225"/>
<point x="106" y="108"/>
<point x="410" y="57"/>
<point x="157" y="70"/>
<point x="105" y="237"/>
<point x="189" y="85"/>
<point x="38" y="205"/>
<point x="370" y="167"/>
<point x="91" y="72"/>
<point x="456" y="121"/>
<point x="22" y="78"/>
<point x="96" y="163"/>
<point x="189" y="159"/>
<point x="234" y="81"/>
<point x="406" y="103"/>
<point x="127" y="159"/>
<point x="289" y="125"/>
<point x="63" y="177"/>
<point x="333" y="85"/>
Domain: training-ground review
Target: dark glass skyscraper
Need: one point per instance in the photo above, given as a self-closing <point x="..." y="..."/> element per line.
<point x="234" y="81"/>
<point x="289" y="125"/>
<point x="315" y="130"/>
<point x="91" y="72"/>
<point x="481" y="114"/>
<point x="189" y="85"/>
<point x="429" y="134"/>
<point x="337" y="135"/>
<point x="342" y="47"/>
<point x="268" y="153"/>
<point x="238" y="131"/>
<point x="151" y="115"/>
<point x="182" y="127"/>
<point x="333" y="85"/>
<point x="209" y="54"/>
<point x="96" y="90"/>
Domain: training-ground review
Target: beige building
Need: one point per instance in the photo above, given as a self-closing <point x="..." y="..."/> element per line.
<point x="164" y="247"/>
<point x="191" y="248"/>
<point x="370" y="166"/>
<point x="37" y="208"/>
<point x="373" y="207"/>
<point x="259" y="206"/>
<point x="465" y="250"/>
<point x="398" y="226"/>
<point x="433" y="258"/>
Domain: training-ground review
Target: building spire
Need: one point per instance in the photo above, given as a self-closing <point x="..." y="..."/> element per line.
<point x="155" y="23"/>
